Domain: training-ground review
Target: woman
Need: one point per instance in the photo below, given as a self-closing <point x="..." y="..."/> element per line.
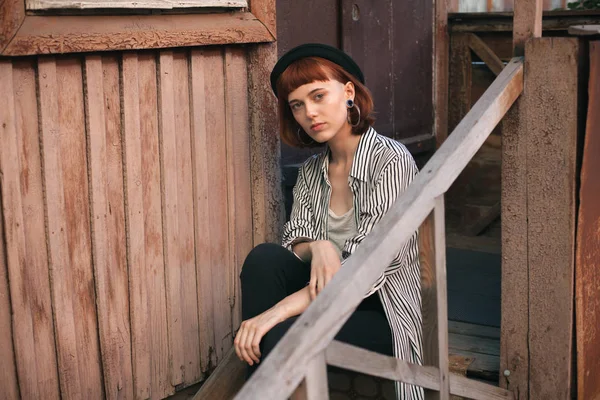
<point x="340" y="195"/>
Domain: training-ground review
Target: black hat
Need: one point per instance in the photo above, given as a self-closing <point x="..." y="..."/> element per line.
<point x="315" y="50"/>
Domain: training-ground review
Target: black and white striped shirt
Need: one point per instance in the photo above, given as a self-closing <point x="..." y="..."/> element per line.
<point x="381" y="170"/>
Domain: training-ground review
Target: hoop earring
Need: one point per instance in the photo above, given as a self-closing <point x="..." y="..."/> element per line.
<point x="300" y="139"/>
<point x="350" y="104"/>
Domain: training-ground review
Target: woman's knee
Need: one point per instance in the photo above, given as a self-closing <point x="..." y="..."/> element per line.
<point x="261" y="259"/>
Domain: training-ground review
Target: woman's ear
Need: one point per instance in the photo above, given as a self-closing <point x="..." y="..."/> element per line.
<point x="349" y="90"/>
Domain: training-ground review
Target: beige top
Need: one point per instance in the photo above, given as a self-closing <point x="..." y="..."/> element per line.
<point x="341" y="228"/>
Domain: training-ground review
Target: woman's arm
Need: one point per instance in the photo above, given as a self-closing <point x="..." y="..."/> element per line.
<point x="251" y="331"/>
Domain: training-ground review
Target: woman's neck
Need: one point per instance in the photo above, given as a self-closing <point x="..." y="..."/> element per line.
<point x="343" y="146"/>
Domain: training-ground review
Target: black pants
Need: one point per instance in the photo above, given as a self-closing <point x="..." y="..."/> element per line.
<point x="271" y="273"/>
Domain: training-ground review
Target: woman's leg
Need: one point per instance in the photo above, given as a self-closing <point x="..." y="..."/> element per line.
<point x="270" y="273"/>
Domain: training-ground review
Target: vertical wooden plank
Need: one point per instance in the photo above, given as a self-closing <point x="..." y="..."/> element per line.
<point x="189" y="294"/>
<point x="202" y="211"/>
<point x="26" y="252"/>
<point x="267" y="198"/>
<point x="220" y="261"/>
<point x="314" y="385"/>
<point x="587" y="261"/>
<point x="65" y="177"/>
<point x="552" y="65"/>
<point x="441" y="46"/>
<point x="150" y="353"/>
<point x="527" y="23"/>
<point x="8" y="372"/>
<point x="514" y="349"/>
<point x="441" y="296"/>
<point x="177" y="212"/>
<point x="238" y="174"/>
<point x="13" y="15"/>
<point x="108" y="224"/>
<point x="459" y="89"/>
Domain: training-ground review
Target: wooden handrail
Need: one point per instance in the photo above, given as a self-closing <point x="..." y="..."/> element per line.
<point x="282" y="371"/>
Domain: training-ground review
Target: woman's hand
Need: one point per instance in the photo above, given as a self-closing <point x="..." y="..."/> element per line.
<point x="324" y="264"/>
<point x="251" y="332"/>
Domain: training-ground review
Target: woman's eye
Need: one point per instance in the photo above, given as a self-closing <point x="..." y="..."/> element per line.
<point x="319" y="96"/>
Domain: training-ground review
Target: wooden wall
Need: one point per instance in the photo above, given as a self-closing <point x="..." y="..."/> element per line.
<point x="127" y="211"/>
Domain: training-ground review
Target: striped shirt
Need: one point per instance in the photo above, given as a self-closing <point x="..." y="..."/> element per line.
<point x="381" y="170"/>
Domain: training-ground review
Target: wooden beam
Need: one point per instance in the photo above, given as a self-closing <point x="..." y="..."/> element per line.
<point x="441" y="296"/>
<point x="584" y="30"/>
<point x="484" y="221"/>
<point x="267" y="197"/>
<point x="12" y="15"/>
<point x="225" y="381"/>
<point x="68" y="34"/>
<point x="441" y="46"/>
<point x="486" y="54"/>
<point x="538" y="217"/>
<point x="367" y="362"/>
<point x="460" y="79"/>
<point x="314" y="385"/>
<point x="264" y="10"/>
<point x="527" y="23"/>
<point x="587" y="256"/>
<point x="281" y="372"/>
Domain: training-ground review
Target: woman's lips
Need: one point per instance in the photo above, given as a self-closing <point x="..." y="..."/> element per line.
<point x="318" y="127"/>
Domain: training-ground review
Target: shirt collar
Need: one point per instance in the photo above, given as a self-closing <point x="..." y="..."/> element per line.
<point x="361" y="159"/>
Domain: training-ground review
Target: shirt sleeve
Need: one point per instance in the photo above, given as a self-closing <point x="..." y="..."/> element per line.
<point x="301" y="226"/>
<point x="393" y="181"/>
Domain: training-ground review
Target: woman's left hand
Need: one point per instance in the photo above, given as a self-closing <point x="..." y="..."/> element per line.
<point x="251" y="332"/>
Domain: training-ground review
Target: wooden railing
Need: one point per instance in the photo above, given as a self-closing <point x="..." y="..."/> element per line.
<point x="303" y="353"/>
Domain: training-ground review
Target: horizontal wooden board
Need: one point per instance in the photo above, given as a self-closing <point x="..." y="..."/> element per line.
<point x="155" y="4"/>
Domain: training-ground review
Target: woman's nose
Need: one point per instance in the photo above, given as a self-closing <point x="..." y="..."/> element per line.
<point x="311" y="110"/>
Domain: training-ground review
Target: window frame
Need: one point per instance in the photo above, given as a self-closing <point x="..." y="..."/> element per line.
<point x="24" y="34"/>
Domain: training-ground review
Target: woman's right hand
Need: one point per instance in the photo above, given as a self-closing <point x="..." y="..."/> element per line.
<point x="325" y="263"/>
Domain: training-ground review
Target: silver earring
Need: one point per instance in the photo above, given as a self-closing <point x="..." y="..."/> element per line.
<point x="300" y="138"/>
<point x="350" y="104"/>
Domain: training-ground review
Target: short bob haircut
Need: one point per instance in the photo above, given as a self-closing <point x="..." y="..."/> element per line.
<point x="308" y="70"/>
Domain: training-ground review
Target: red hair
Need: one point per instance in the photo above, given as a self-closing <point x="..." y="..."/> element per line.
<point x="308" y="70"/>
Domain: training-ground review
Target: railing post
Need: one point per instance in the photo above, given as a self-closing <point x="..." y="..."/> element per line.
<point x="442" y="295"/>
<point x="314" y="385"/>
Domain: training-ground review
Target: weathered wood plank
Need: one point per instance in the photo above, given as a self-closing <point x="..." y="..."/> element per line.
<point x="584" y="30"/>
<point x="357" y="359"/>
<point x="202" y="211"/>
<point x="220" y="261"/>
<point x="280" y="373"/>
<point x="108" y="224"/>
<point x="441" y="296"/>
<point x="66" y="184"/>
<point x="26" y="252"/>
<point x="587" y="261"/>
<point x="238" y="172"/>
<point x="182" y="300"/>
<point x="150" y="353"/>
<point x="477" y="331"/>
<point x="527" y="23"/>
<point x="267" y="198"/>
<point x="486" y="54"/>
<point x="225" y="381"/>
<point x="8" y="373"/>
<point x="314" y="384"/>
<point x="160" y="4"/>
<point x="86" y="33"/>
<point x="264" y="10"/>
<point x="441" y="48"/>
<point x="13" y="15"/>
<point x="460" y="79"/>
<point x="552" y="76"/>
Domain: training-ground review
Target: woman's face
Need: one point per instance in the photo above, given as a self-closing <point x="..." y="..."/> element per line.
<point x="320" y="108"/>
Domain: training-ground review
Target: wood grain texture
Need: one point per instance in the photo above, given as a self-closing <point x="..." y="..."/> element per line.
<point x="357" y="359"/>
<point x="225" y="381"/>
<point x="202" y="210"/>
<point x="67" y="202"/>
<point x="486" y="54"/>
<point x="267" y="197"/>
<point x="264" y="10"/>
<point x="441" y="48"/>
<point x="68" y="34"/>
<point x="216" y="143"/>
<point x="587" y="257"/>
<point x="238" y="172"/>
<point x="441" y="296"/>
<point x="108" y="224"/>
<point x="460" y="79"/>
<point x="12" y="15"/>
<point x="150" y="353"/>
<point x="527" y="23"/>
<point x="514" y="353"/>
<point x="160" y="4"/>
<point x="552" y="77"/>
<point x="280" y="373"/>
<point x="26" y="252"/>
<point x="314" y="384"/>
<point x="8" y="372"/>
